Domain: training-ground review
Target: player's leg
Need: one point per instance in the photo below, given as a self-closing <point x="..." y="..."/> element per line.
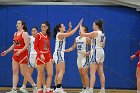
<point x="55" y="80"/>
<point x="102" y="77"/>
<point x="40" y="69"/>
<point x="79" y="65"/>
<point x="82" y="79"/>
<point x="49" y="69"/>
<point x="27" y="76"/>
<point x="93" y="68"/>
<point x="23" y="88"/>
<point x="61" y="71"/>
<point x="15" y="69"/>
<point x="138" y="78"/>
<point x="85" y="77"/>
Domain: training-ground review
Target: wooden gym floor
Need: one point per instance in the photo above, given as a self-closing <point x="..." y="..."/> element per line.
<point x="6" y="89"/>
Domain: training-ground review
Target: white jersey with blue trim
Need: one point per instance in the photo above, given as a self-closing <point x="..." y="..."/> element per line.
<point x="31" y="45"/>
<point x="81" y="45"/>
<point x="59" y="44"/>
<point x="97" y="43"/>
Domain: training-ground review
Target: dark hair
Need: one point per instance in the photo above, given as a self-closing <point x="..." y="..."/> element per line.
<point x="56" y="29"/>
<point x="100" y="24"/>
<point x="24" y="25"/>
<point x="35" y="28"/>
<point x="86" y="28"/>
<point x="48" y="32"/>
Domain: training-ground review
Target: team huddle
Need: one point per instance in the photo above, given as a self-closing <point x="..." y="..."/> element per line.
<point x="34" y="52"/>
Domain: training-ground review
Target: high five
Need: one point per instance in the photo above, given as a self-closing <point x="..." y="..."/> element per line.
<point x="58" y="56"/>
<point x="97" y="53"/>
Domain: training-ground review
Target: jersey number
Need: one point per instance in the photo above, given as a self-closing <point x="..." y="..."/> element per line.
<point x="79" y="47"/>
<point x="45" y="44"/>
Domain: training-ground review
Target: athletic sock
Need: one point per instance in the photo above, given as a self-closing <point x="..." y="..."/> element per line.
<point x="39" y="89"/>
<point x="48" y="89"/>
<point x="59" y="85"/>
<point x="91" y="89"/>
<point x="23" y="86"/>
<point x="55" y="87"/>
<point x="102" y="88"/>
<point x="84" y="87"/>
<point x="14" y="88"/>
<point x="138" y="91"/>
<point x="87" y="88"/>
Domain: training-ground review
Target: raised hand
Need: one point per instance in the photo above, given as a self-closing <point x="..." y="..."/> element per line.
<point x="81" y="21"/>
<point x="70" y="25"/>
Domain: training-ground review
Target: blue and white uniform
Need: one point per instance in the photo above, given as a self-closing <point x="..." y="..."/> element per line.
<point x="97" y="52"/>
<point x="82" y="48"/>
<point x="32" y="53"/>
<point x="58" y="55"/>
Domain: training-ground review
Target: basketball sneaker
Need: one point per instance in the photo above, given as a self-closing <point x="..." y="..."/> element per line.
<point x="23" y="90"/>
<point x="12" y="91"/>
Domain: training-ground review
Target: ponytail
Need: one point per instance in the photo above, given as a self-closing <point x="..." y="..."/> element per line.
<point x="56" y="30"/>
<point x="100" y="24"/>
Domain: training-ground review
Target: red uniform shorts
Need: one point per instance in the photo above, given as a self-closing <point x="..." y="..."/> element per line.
<point x="47" y="58"/>
<point x="22" y="58"/>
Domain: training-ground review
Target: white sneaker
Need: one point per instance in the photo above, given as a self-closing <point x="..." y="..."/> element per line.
<point x="59" y="90"/>
<point x="83" y="91"/>
<point x="90" y="91"/>
<point x="23" y="90"/>
<point x="44" y="90"/>
<point x="102" y="91"/>
<point x="35" y="89"/>
<point x="86" y="91"/>
<point x="12" y="91"/>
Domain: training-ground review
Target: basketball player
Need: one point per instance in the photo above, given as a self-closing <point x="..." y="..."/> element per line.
<point x="20" y="55"/>
<point x="32" y="60"/>
<point x="83" y="58"/>
<point x="44" y="57"/>
<point x="58" y="56"/>
<point x="137" y="54"/>
<point x="97" y="54"/>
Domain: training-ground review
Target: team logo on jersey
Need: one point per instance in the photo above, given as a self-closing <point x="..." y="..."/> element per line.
<point x="16" y="42"/>
<point x="45" y="44"/>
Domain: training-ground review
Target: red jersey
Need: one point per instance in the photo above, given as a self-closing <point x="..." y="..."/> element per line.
<point x="42" y="43"/>
<point x="18" y="41"/>
<point x="138" y="54"/>
<point x="18" y="45"/>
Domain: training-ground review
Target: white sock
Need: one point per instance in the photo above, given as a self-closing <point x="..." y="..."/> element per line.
<point x="15" y="88"/>
<point x="91" y="89"/>
<point x="33" y="85"/>
<point x="44" y="86"/>
<point x="48" y="89"/>
<point x="39" y="89"/>
<point x="23" y="86"/>
<point x="102" y="88"/>
<point x="138" y="91"/>
<point x="87" y="88"/>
